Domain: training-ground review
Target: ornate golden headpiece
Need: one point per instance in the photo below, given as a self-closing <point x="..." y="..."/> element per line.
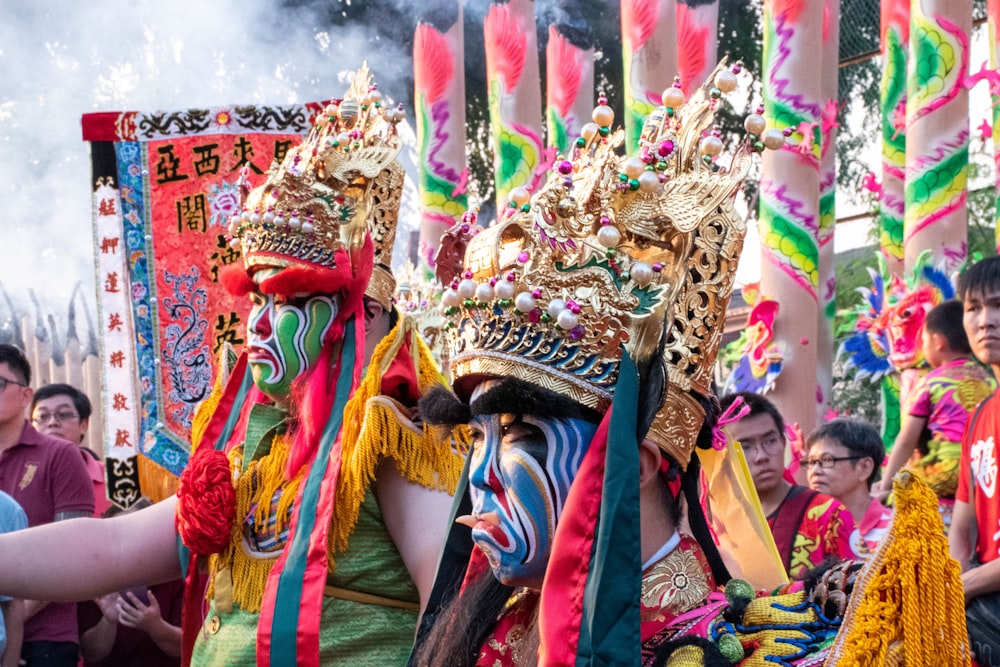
<point x="609" y="252"/>
<point x="418" y="297"/>
<point x="344" y="179"/>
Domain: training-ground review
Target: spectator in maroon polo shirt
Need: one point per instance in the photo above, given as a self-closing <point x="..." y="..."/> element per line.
<point x="47" y="477"/>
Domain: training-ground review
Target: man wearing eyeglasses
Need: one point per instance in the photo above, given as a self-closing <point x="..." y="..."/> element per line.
<point x="47" y="477"/>
<point x="63" y="411"/>
<point x="807" y="526"/>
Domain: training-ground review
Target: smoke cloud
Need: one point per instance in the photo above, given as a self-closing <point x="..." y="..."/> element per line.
<point x="59" y="60"/>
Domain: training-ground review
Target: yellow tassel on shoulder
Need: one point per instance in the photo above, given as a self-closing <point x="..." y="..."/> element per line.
<point x="908" y="606"/>
<point x="378" y="427"/>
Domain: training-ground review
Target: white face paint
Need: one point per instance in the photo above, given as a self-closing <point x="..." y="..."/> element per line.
<point x="285" y="335"/>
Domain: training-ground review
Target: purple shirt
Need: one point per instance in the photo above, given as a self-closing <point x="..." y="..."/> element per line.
<point x="45" y="476"/>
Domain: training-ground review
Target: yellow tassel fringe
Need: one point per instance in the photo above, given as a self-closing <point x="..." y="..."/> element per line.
<point x="257" y="486"/>
<point x="909" y="596"/>
<point x="155" y="481"/>
<point x="377" y="427"/>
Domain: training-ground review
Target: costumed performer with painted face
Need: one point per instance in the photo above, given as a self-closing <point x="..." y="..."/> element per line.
<point x="569" y="315"/>
<point x="313" y="502"/>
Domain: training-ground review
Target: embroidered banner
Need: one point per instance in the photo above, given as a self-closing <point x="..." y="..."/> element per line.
<point x="165" y="185"/>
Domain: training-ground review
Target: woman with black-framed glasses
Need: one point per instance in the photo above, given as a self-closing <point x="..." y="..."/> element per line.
<point x="843" y="457"/>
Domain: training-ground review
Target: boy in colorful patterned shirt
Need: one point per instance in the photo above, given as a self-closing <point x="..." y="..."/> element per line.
<point x="807" y="526"/>
<point x="939" y="407"/>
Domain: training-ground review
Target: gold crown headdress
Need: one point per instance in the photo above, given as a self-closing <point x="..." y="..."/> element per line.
<point x="612" y="252"/>
<point x="344" y="179"/>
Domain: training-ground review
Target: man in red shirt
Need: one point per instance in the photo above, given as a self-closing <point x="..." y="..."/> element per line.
<point x="975" y="525"/>
<point x="47" y="477"/>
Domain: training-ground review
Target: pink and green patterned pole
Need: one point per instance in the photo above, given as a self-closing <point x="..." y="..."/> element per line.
<point x="895" y="38"/>
<point x="789" y="218"/>
<point x="993" y="22"/>
<point x="649" y="56"/>
<point x="895" y="47"/>
<point x="827" y="206"/>
<point x="439" y="101"/>
<point x="937" y="132"/>
<point x="697" y="42"/>
<point x="515" y="96"/>
<point x="569" y="78"/>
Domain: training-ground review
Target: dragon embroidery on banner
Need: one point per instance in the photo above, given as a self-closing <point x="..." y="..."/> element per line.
<point x="185" y="352"/>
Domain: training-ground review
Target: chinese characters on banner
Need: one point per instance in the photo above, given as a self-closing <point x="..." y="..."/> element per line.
<point x="121" y="424"/>
<point x="161" y="246"/>
<point x="192" y="193"/>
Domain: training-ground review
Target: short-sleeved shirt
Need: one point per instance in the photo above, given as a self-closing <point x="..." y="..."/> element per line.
<point x="12" y="518"/>
<point x="977" y="479"/>
<point x="95" y="468"/>
<point x="133" y="647"/>
<point x="824" y="529"/>
<point x="46" y="476"/>
<point x="948" y="394"/>
<point x="871" y="530"/>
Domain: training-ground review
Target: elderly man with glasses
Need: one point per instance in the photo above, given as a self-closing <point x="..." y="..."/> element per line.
<point x="807" y="526"/>
<point x="47" y="477"/>
<point x="63" y="411"/>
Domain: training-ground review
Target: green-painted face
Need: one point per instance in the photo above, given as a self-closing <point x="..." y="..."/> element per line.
<point x="285" y="335"/>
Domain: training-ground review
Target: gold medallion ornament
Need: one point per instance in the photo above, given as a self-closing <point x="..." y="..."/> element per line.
<point x="343" y="181"/>
<point x="612" y="251"/>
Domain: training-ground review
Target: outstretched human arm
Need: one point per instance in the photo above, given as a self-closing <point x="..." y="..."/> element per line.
<point x="104" y="555"/>
<point x="902" y="449"/>
<point x="417" y="521"/>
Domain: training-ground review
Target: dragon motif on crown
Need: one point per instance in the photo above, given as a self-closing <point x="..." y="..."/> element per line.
<point x="611" y="253"/>
<point x="342" y="184"/>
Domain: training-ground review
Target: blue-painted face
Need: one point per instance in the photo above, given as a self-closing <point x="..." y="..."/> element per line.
<point x="521" y="469"/>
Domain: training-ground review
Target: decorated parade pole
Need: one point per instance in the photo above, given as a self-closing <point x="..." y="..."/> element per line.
<point x="993" y="26"/>
<point x="649" y="56"/>
<point x="827" y="206"/>
<point x="895" y="47"/>
<point x="789" y="196"/>
<point x="515" y="96"/>
<point x="697" y="41"/>
<point x="937" y="132"/>
<point x="439" y="100"/>
<point x="569" y="76"/>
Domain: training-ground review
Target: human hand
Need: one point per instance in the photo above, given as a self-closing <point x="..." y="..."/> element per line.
<point x="880" y="492"/>
<point x="132" y="613"/>
<point x="108" y="604"/>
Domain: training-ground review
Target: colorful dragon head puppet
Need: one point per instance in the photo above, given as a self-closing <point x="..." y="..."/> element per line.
<point x="888" y="326"/>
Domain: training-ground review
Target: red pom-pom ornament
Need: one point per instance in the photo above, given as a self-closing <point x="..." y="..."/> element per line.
<point x="206" y="502"/>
